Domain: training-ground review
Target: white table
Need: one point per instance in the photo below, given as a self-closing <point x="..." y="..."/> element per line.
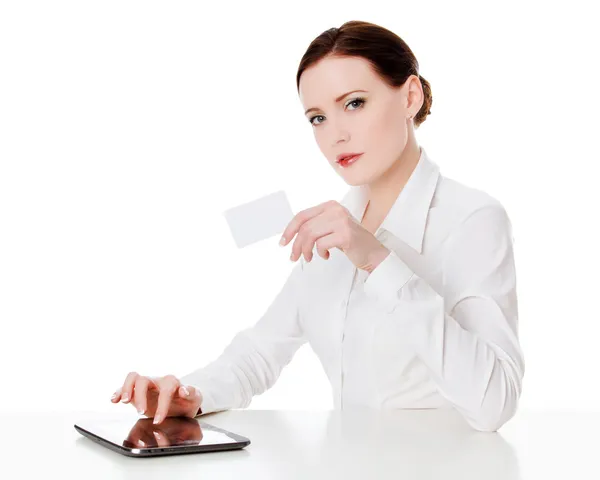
<point x="349" y="444"/>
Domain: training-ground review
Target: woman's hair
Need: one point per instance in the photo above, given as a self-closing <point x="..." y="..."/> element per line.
<point x="389" y="55"/>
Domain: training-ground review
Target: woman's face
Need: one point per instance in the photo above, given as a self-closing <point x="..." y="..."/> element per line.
<point x="372" y="122"/>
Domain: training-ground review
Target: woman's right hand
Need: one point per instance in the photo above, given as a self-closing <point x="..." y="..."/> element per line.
<point x="159" y="397"/>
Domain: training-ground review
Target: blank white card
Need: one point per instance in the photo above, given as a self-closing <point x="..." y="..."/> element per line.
<point x="259" y="219"/>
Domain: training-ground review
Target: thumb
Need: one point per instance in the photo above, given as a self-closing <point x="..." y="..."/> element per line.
<point x="189" y="392"/>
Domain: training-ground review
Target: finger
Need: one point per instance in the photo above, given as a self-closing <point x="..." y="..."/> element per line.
<point x="326" y="243"/>
<point x="127" y="389"/>
<point x="184" y="392"/>
<point x="167" y="386"/>
<point x="301" y="217"/>
<point x="140" y="393"/>
<point x="322" y="251"/>
<point x="311" y="231"/>
<point x="193" y="394"/>
<point x="116" y="396"/>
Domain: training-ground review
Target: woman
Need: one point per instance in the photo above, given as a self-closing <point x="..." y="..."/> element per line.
<point x="411" y="301"/>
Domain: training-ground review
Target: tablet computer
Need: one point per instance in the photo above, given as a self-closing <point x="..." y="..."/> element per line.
<point x="139" y="437"/>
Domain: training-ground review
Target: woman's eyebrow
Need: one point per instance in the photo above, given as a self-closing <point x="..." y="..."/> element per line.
<point x="336" y="100"/>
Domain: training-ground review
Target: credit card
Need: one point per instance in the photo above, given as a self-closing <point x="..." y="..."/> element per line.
<point x="259" y="219"/>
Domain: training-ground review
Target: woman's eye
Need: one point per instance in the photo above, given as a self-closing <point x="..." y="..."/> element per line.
<point x="358" y="100"/>
<point x="316" y="116"/>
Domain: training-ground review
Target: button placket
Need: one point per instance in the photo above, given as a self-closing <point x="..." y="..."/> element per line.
<point x="345" y="315"/>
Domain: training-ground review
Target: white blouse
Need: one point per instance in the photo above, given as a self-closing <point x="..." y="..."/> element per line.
<point x="435" y="325"/>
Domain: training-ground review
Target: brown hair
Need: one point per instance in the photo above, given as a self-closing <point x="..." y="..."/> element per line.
<point x="389" y="55"/>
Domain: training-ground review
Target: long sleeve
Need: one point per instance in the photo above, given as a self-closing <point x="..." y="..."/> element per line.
<point x="255" y="357"/>
<point x="468" y="336"/>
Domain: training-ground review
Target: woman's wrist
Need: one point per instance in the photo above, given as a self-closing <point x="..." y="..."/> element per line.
<point x="376" y="257"/>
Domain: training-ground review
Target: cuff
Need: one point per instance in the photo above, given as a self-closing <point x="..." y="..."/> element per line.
<point x="387" y="279"/>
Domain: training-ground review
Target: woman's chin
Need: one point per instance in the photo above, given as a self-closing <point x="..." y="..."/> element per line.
<point x="354" y="178"/>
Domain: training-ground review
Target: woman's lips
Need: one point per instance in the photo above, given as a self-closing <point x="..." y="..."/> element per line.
<point x="349" y="160"/>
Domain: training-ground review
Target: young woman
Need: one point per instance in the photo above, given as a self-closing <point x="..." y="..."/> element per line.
<point x="411" y="299"/>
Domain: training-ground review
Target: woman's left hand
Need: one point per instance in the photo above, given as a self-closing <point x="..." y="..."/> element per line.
<point x="329" y="225"/>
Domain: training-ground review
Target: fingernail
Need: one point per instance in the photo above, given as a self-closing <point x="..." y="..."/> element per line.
<point x="114" y="395"/>
<point x="282" y="241"/>
<point x="185" y="391"/>
<point x="141" y="411"/>
<point x="156" y="420"/>
<point x="292" y="257"/>
<point x="125" y="397"/>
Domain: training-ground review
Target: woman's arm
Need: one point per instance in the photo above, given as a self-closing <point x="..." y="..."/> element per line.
<point x="254" y="359"/>
<point x="467" y="337"/>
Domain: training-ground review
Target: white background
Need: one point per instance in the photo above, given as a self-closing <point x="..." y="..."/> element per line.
<point x="127" y="127"/>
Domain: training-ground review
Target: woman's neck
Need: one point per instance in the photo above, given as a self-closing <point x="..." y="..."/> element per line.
<point x="385" y="190"/>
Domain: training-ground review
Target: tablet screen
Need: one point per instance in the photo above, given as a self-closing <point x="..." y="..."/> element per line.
<point x="173" y="432"/>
